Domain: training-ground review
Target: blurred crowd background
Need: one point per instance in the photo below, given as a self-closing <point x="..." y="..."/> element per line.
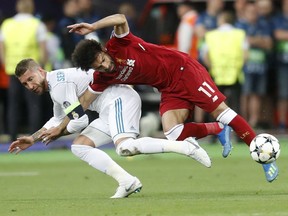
<point x="243" y="44"/>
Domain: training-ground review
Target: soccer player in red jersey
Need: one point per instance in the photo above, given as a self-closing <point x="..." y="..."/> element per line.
<point x="182" y="81"/>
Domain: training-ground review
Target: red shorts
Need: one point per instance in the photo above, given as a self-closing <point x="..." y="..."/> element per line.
<point x="195" y="87"/>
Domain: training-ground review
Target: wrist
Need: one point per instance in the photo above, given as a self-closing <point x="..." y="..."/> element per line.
<point x="33" y="140"/>
<point x="36" y="136"/>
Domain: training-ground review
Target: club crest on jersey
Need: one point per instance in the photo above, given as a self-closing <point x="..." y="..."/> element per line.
<point x="120" y="61"/>
<point x="75" y="115"/>
<point x="66" y="104"/>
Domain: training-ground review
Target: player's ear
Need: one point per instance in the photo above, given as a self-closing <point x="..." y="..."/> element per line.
<point x="103" y="49"/>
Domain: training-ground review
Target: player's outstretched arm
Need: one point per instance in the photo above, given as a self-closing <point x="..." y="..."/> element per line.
<point x="55" y="132"/>
<point x="119" y="22"/>
<point x="75" y="125"/>
<point x="24" y="142"/>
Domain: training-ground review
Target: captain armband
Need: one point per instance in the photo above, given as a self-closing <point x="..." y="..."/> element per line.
<point x="74" y="111"/>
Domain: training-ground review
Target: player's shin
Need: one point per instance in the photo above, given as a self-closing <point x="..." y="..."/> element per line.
<point x="102" y="162"/>
<point x="148" y="145"/>
<point x="238" y="124"/>
<point x="192" y="129"/>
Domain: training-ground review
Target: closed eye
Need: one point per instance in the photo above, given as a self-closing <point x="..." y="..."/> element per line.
<point x="100" y="61"/>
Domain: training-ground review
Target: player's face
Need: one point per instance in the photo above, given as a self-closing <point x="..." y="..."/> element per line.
<point x="34" y="81"/>
<point x="103" y="63"/>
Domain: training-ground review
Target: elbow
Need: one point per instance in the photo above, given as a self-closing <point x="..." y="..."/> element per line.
<point x="76" y="126"/>
<point x="122" y="18"/>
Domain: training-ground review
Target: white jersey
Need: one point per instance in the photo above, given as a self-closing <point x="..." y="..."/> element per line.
<point x="119" y="106"/>
<point x="65" y="87"/>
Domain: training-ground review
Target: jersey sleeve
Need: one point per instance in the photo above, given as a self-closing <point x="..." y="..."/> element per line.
<point x="65" y="94"/>
<point x="58" y="116"/>
<point x="97" y="88"/>
<point x="64" y="97"/>
<point x="121" y="40"/>
<point x="99" y="83"/>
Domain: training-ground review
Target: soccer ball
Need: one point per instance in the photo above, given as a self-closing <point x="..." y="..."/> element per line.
<point x="264" y="148"/>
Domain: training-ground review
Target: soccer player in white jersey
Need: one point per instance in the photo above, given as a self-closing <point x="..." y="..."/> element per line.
<point x="119" y="109"/>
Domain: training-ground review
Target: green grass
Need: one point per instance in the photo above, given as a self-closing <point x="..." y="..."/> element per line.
<point x="58" y="183"/>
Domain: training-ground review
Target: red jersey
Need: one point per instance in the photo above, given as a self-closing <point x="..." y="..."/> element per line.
<point x="182" y="81"/>
<point x="139" y="62"/>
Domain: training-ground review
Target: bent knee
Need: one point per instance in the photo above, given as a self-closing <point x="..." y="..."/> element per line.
<point x="127" y="148"/>
<point x="83" y="140"/>
<point x="221" y="108"/>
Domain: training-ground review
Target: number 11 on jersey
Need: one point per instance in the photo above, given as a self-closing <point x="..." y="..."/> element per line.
<point x="208" y="91"/>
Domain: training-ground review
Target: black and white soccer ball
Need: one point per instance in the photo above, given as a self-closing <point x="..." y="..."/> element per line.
<point x="264" y="148"/>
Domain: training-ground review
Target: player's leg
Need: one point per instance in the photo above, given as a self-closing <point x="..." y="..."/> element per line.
<point x="84" y="148"/>
<point x="228" y="116"/>
<point x="175" y="129"/>
<point x="147" y="145"/>
<point x="124" y="116"/>
<point x="192" y="89"/>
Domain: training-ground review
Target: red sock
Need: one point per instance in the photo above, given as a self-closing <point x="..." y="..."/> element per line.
<point x="199" y="130"/>
<point x="242" y="129"/>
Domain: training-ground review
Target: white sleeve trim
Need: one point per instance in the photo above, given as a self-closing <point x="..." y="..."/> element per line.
<point x="121" y="35"/>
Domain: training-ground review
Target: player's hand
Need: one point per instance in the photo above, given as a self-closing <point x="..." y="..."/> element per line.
<point x="51" y="134"/>
<point x="81" y="28"/>
<point x="21" y="144"/>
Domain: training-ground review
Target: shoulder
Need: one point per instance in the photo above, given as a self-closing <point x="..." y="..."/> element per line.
<point x="55" y="77"/>
<point x="212" y="32"/>
<point x="122" y="40"/>
<point x="8" y="20"/>
<point x="61" y="75"/>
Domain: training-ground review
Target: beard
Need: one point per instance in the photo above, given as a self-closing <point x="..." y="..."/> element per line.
<point x="40" y="88"/>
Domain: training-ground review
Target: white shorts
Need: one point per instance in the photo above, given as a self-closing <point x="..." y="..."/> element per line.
<point x="119" y="108"/>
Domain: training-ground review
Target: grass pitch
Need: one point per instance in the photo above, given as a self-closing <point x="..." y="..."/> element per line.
<point x="56" y="183"/>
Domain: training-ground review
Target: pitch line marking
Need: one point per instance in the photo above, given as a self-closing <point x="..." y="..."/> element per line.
<point x="2" y="174"/>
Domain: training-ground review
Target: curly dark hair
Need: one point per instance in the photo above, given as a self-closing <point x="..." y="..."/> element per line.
<point x="85" y="53"/>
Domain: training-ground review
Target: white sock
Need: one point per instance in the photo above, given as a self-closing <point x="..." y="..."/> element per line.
<point x="226" y="116"/>
<point x="174" y="132"/>
<point x="148" y="145"/>
<point x="101" y="161"/>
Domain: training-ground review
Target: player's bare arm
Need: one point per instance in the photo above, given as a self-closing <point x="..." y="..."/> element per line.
<point x="24" y="142"/>
<point x="55" y="132"/>
<point x="87" y="98"/>
<point x="61" y="130"/>
<point x="119" y="22"/>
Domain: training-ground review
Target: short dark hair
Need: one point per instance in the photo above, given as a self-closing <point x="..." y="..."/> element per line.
<point x="24" y="65"/>
<point x="228" y="16"/>
<point x="85" y="53"/>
